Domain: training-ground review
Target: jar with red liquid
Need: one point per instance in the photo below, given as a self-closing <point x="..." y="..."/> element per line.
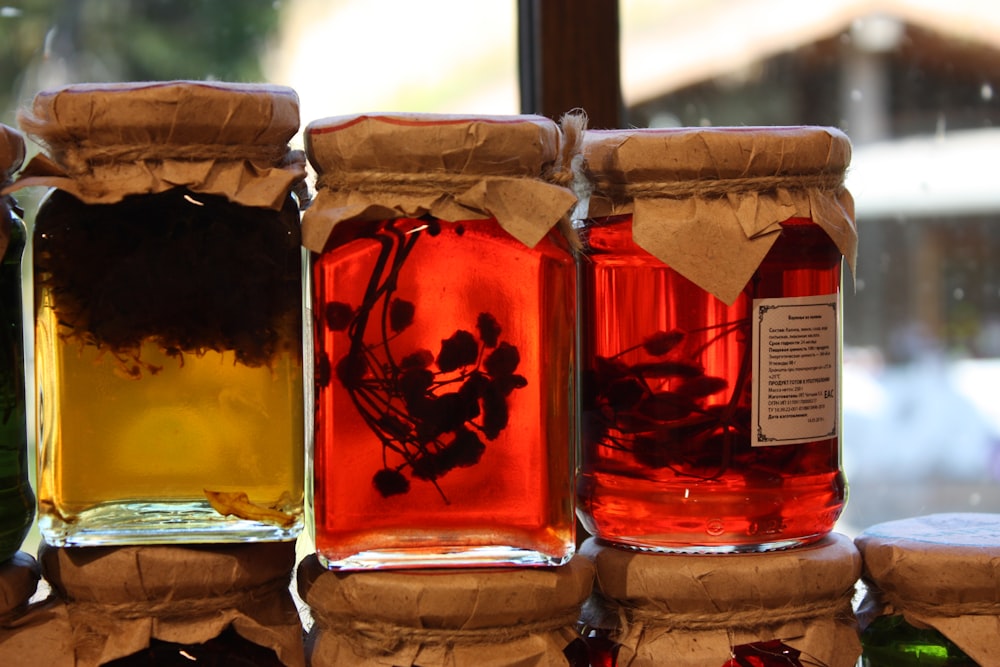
<point x="710" y="282"/>
<point x="790" y="608"/>
<point x="443" y="306"/>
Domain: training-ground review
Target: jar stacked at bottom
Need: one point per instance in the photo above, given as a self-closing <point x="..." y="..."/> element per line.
<point x="933" y="591"/>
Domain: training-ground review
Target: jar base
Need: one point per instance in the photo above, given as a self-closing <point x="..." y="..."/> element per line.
<point x="158" y="523"/>
<point x="761" y="547"/>
<point x="491" y="556"/>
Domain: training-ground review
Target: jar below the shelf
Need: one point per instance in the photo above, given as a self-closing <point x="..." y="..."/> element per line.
<point x="137" y="605"/>
<point x="687" y="610"/>
<point x="933" y="591"/>
<point x="487" y="617"/>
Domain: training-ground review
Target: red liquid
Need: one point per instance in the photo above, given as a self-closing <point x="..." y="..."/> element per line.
<point x="444" y="398"/>
<point x="666" y="400"/>
<point x="772" y="653"/>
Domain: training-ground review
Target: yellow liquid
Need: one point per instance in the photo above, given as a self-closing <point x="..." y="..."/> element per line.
<point x="128" y="459"/>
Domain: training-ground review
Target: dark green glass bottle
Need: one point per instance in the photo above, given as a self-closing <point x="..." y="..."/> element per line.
<point x="889" y="641"/>
<point x="17" y="502"/>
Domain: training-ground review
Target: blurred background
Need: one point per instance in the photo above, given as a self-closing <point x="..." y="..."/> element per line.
<point x="915" y="84"/>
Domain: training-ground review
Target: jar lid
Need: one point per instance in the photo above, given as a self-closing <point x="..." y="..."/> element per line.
<point x="156" y="573"/>
<point x="493" y="617"/>
<point x="121" y="597"/>
<point x="938" y="559"/>
<point x="724" y="583"/>
<point x="162" y="115"/>
<point x="698" y="156"/>
<point x="691" y="610"/>
<point x="106" y="141"/>
<point x="11" y="152"/>
<point x="437" y="143"/>
<point x="940" y="571"/>
<point x="709" y="202"/>
<point x="380" y="166"/>
<point x="467" y="598"/>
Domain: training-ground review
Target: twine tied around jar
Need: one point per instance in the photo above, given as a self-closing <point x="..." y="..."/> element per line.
<point x="620" y="191"/>
<point x="372" y="638"/>
<point x="78" y="158"/>
<point x="839" y="608"/>
<point x="891" y="603"/>
<point x="175" y="608"/>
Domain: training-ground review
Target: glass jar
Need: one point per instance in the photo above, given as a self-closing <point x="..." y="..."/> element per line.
<point x="501" y="617"/>
<point x="770" y="609"/>
<point x="168" y="306"/>
<point x="129" y="606"/>
<point x="443" y="312"/>
<point x="17" y="502"/>
<point x="933" y="591"/>
<point x="711" y="414"/>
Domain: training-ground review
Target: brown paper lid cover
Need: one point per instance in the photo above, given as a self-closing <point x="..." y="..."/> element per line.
<point x="709" y="201"/>
<point x="464" y="599"/>
<point x="392" y="165"/>
<point x="107" y="141"/>
<point x="130" y="574"/>
<point x="715" y="153"/>
<point x="721" y="583"/>
<point x="444" y="143"/>
<point x="937" y="559"/>
<point x="11" y="152"/>
<point x="170" y="113"/>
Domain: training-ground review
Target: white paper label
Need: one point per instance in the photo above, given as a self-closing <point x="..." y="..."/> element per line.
<point x="795" y="355"/>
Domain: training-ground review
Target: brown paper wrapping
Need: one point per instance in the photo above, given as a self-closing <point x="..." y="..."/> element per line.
<point x="691" y="610"/>
<point x="708" y="202"/>
<point x="43" y="635"/>
<point x="118" y="598"/>
<point x="381" y="166"/>
<point x="107" y="141"/>
<point x="11" y="157"/>
<point x="521" y="617"/>
<point x="940" y="571"/>
<point x="30" y="635"/>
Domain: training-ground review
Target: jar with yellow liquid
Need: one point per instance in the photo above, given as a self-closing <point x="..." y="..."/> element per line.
<point x="168" y="306"/>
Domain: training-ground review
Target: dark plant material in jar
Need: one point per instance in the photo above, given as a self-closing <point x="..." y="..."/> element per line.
<point x="657" y="410"/>
<point x="430" y="412"/>
<point x="191" y="273"/>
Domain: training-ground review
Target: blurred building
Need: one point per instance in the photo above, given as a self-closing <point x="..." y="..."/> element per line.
<point x="914" y="83"/>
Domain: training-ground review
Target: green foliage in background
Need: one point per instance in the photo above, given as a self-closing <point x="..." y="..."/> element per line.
<point x="46" y="43"/>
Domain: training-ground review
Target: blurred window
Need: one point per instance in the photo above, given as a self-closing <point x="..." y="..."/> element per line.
<point x="915" y="85"/>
